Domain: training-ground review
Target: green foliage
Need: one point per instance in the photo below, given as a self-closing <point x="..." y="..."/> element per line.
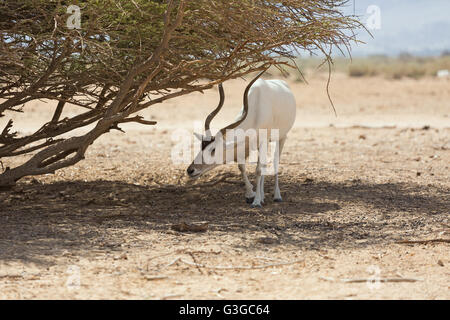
<point x="118" y="34"/>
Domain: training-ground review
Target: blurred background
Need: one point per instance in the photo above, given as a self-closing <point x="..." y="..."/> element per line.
<point x="408" y="38"/>
<point x="415" y="27"/>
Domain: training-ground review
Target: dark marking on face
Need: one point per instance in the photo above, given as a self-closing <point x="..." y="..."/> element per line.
<point x="206" y="143"/>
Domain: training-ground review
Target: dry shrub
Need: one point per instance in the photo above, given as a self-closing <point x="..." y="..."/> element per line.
<point x="128" y="50"/>
<point x="405" y="66"/>
<point x="363" y="69"/>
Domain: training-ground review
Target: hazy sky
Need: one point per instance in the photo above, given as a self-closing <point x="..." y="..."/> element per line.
<point x="415" y="26"/>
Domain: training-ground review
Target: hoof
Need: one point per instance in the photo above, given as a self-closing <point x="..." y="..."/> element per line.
<point x="256" y="206"/>
<point x="278" y="200"/>
<point x="249" y="200"/>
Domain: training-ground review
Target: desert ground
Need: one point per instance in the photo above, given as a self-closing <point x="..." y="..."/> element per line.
<point x="355" y="188"/>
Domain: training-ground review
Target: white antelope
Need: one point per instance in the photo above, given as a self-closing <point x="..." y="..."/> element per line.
<point x="268" y="105"/>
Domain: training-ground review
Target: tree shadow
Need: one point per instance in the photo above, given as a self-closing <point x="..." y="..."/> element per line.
<point x="38" y="222"/>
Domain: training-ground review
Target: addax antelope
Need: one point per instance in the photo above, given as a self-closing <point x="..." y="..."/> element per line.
<point x="270" y="107"/>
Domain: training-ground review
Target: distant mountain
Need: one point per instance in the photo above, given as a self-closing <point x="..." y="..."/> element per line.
<point x="419" y="27"/>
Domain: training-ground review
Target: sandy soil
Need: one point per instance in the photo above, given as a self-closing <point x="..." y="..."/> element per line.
<point x="354" y="186"/>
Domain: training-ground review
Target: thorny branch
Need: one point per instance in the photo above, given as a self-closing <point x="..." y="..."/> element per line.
<point x="129" y="50"/>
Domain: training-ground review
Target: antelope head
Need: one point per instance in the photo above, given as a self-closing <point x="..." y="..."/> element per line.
<point x="204" y="161"/>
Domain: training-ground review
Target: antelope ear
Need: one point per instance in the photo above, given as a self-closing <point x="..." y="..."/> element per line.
<point x="198" y="136"/>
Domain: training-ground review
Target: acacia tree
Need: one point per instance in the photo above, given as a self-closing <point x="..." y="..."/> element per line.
<point x="126" y="50"/>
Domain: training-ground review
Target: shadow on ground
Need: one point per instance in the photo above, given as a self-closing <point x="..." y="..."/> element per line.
<point x="40" y="221"/>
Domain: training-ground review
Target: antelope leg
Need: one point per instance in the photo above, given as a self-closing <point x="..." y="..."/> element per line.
<point x="249" y="194"/>
<point x="277" y="194"/>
